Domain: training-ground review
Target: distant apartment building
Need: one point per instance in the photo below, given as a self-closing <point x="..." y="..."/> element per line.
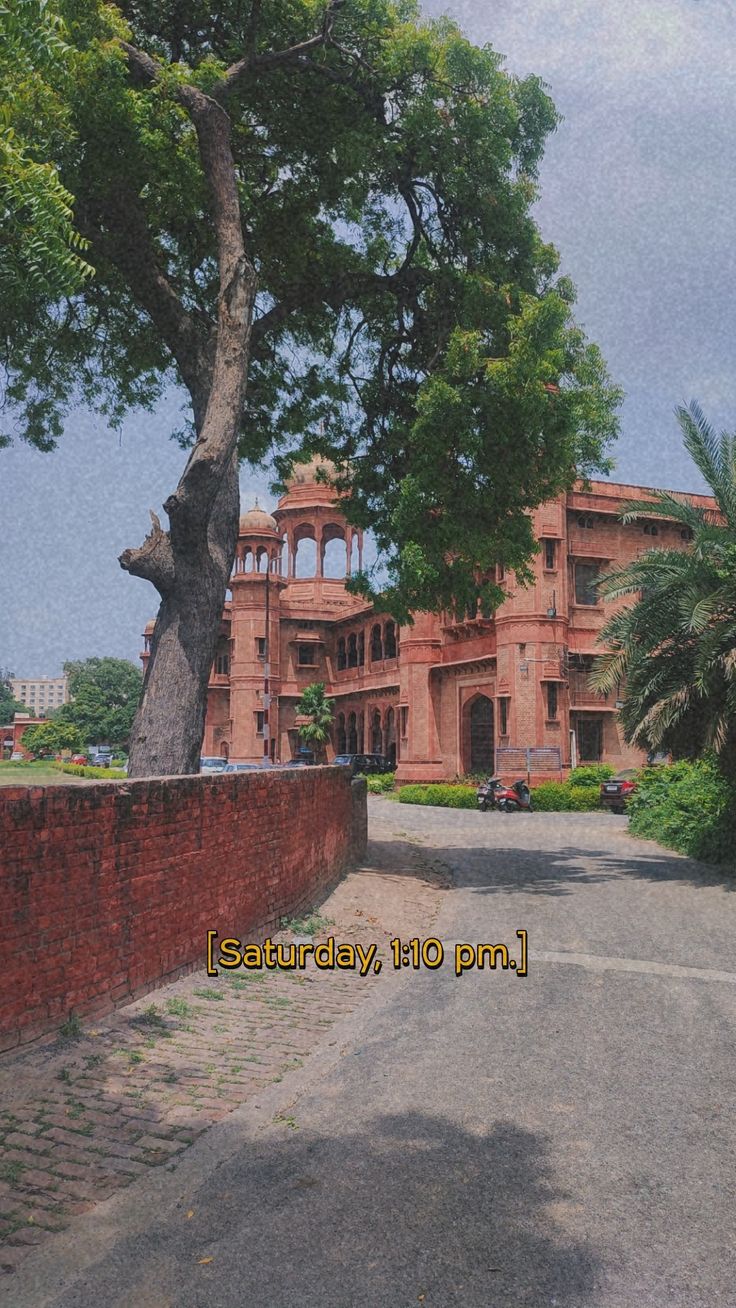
<point x="41" y="695"/>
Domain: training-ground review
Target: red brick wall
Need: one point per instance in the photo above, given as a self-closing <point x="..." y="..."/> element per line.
<point x="109" y="887"/>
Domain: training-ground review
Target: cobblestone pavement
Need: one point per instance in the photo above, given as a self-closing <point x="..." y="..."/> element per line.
<point x="88" y="1112"/>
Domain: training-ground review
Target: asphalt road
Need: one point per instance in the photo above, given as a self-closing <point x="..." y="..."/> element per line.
<point x="492" y="1141"/>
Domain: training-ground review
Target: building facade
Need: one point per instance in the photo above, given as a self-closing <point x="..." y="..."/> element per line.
<point x="40" y="694"/>
<point x="447" y="695"/>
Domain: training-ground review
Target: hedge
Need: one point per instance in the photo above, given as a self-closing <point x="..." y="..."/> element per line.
<point x="562" y="797"/>
<point x="690" y="807"/>
<point x="92" y="774"/>
<point x="444" y="796"/>
<point x="381" y="783"/>
<point x="591" y="774"/>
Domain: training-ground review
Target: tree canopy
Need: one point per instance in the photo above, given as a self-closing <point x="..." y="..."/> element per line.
<point x="405" y="297"/>
<point x="52" y="737"/>
<point x="675" y="646"/>
<point x="104" y="694"/>
<point x="9" y="705"/>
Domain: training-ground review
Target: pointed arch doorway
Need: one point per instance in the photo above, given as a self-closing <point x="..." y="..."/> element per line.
<point x="478" y="751"/>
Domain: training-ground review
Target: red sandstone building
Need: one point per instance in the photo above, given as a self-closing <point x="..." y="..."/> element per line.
<point x="443" y="697"/>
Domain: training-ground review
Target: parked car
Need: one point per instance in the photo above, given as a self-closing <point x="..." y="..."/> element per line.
<point x="79" y="759"/>
<point x="368" y="764"/>
<point x="215" y="764"/>
<point x="614" y="793"/>
<point x="266" y="765"/>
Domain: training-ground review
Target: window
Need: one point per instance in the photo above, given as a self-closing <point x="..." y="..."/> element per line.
<point x="503" y="716"/>
<point x="259" y="722"/>
<point x="261" y="648"/>
<point x="585" y="521"/>
<point x="361" y="648"/>
<point x="306" y="656"/>
<point x="551" y="691"/>
<point x="585" y="577"/>
<point x="222" y="665"/>
<point x="404" y="719"/>
<point x="352" y="650"/>
<point x="341" y="657"/>
<point x="376" y="644"/>
<point x="550" y="555"/>
<point x="389" y="641"/>
<point x="651" y="529"/>
<point x="686" y="533"/>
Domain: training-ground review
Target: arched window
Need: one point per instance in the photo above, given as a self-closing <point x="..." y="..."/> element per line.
<point x="352" y="650"/>
<point x="389" y="743"/>
<point x="341" y="663"/>
<point x="262" y="560"/>
<point x="686" y="533"/>
<point x="651" y="529"/>
<point x="340" y="734"/>
<point x="352" y="741"/>
<point x="585" y="521"/>
<point x="361" y="648"/>
<point x="376" y="732"/>
<point x="376" y="644"/>
<point x="305" y="557"/>
<point x="334" y="553"/>
<point x="224" y="750"/>
<point x="247" y="560"/>
<point x="389" y="641"/>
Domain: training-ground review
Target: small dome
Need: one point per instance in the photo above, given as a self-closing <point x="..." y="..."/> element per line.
<point x="148" y="629"/>
<point x="256" y="520"/>
<point x="304" y="473"/>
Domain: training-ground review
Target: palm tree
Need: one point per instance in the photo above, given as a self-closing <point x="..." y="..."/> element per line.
<point x="675" y="648"/>
<point x="316" y="706"/>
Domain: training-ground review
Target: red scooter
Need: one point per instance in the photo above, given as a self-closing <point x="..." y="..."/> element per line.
<point x="494" y="793"/>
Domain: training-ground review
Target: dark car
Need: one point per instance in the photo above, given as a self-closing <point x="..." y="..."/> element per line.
<point x="367" y="764"/>
<point x="614" y="793"/>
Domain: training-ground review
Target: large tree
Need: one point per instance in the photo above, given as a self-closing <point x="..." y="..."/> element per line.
<point x="104" y="694"/>
<point x="674" y="646"/>
<point x="328" y="200"/>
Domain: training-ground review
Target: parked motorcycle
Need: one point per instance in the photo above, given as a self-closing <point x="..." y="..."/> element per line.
<point x="494" y="793"/>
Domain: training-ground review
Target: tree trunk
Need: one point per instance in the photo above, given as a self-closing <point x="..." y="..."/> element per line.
<point x="190" y="564"/>
<point x="166" y="738"/>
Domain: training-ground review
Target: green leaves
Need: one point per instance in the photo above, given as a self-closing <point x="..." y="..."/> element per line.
<point x="410" y="322"/>
<point x="675" y="645"/>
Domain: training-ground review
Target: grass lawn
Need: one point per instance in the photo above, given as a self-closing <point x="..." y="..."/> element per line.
<point x="34" y="774"/>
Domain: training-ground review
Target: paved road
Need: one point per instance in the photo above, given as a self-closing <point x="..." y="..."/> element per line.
<point x="486" y="1141"/>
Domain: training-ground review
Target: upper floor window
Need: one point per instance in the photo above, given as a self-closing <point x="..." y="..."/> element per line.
<point x="503" y="716"/>
<point x="222" y="665"/>
<point x="585" y="521"/>
<point x="585" y="578"/>
<point x="352" y="650"/>
<point x="259" y="722"/>
<point x="261" y="647"/>
<point x="651" y="529"/>
<point x="686" y="533"/>
<point x="376" y="644"/>
<point x="342" y="661"/>
<point x="389" y="641"/>
<point x="306" y="656"/>
<point x="550" y="555"/>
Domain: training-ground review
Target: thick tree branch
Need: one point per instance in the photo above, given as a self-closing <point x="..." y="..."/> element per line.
<point x="154" y="560"/>
<point x="119" y="230"/>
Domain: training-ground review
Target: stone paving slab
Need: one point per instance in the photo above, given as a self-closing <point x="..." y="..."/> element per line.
<point x="89" y="1111"/>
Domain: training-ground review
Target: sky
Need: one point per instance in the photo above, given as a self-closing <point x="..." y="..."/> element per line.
<point x="638" y="192"/>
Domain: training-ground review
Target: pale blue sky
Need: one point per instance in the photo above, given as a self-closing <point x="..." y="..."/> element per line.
<point x="639" y="195"/>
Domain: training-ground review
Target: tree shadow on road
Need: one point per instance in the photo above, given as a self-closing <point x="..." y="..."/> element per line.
<point x="412" y="1209"/>
<point x="513" y="869"/>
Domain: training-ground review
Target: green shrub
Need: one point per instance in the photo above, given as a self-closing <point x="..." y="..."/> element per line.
<point x="591" y="774"/>
<point x="444" y="796"/>
<point x="688" y="807"/>
<point x="381" y="783"/>
<point x="561" y="797"/>
<point x="92" y="774"/>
